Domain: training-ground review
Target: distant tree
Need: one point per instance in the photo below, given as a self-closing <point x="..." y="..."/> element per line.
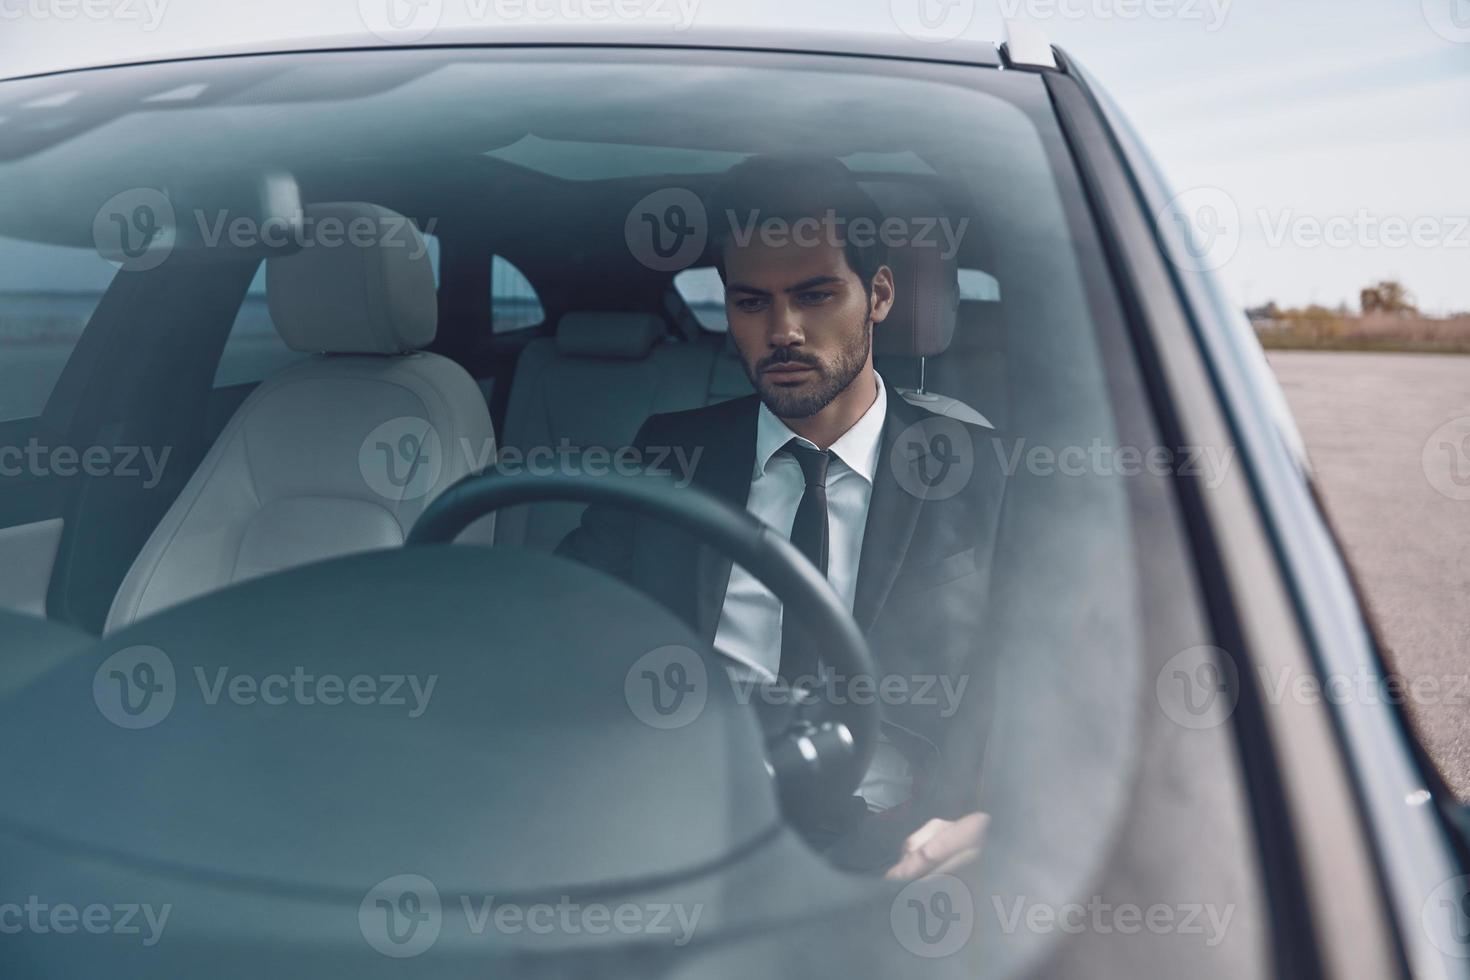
<point x="1388" y="296"/>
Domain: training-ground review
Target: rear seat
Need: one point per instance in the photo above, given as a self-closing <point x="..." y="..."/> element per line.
<point x="591" y="387"/>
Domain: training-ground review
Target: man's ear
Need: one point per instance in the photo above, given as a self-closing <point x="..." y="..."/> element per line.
<point x="880" y="294"/>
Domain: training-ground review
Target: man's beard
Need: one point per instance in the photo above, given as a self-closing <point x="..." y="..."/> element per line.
<point x="831" y="380"/>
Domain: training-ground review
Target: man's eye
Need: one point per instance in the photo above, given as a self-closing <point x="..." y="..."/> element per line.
<point x="750" y="305"/>
<point x="813" y="298"/>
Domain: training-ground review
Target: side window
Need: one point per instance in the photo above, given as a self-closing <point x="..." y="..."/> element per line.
<point x="254" y="350"/>
<point x="704" y="294"/>
<point x="979" y="286"/>
<point x="47" y="295"/>
<point x="514" y="304"/>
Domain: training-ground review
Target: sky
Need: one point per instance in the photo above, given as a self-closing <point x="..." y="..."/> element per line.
<point x="1330" y="137"/>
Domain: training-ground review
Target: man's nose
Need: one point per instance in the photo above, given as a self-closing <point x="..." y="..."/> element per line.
<point x="785" y="327"/>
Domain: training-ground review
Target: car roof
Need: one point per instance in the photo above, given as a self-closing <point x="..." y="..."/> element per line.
<point x="859" y="43"/>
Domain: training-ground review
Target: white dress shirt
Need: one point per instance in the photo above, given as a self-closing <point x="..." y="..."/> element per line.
<point x="750" y="622"/>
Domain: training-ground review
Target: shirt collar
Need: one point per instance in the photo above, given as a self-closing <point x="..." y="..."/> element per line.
<point x="858" y="447"/>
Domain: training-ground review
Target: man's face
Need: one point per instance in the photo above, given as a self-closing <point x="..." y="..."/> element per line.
<point x="802" y="321"/>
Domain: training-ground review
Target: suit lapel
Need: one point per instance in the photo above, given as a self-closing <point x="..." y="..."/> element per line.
<point x="893" y="513"/>
<point x="725" y="470"/>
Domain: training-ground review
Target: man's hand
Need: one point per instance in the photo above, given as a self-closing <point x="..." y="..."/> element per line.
<point x="941" y="846"/>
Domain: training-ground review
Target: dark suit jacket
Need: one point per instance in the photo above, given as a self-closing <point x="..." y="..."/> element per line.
<point x="924" y="570"/>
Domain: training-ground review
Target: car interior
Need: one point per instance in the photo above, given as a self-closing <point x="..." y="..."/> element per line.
<point x="513" y="317"/>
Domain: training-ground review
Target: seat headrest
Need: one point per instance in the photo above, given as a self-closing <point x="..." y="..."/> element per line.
<point x="362" y="283"/>
<point x="926" y="301"/>
<point x="627" y="336"/>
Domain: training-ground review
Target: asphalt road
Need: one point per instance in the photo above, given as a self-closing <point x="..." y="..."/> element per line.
<point x="1389" y="437"/>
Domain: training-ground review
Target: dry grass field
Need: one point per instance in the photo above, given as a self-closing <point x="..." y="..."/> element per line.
<point x="1318" y="328"/>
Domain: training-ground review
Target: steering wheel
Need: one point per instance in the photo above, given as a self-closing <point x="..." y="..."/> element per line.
<point x="819" y="751"/>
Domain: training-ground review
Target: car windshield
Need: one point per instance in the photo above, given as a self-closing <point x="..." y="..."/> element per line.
<point x="259" y="314"/>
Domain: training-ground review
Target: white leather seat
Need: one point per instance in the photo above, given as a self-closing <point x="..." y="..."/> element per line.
<point x="337" y="453"/>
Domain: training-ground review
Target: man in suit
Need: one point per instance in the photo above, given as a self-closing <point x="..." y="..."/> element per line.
<point x="861" y="479"/>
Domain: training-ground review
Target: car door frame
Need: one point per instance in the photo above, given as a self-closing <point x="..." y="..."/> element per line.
<point x="1350" y="861"/>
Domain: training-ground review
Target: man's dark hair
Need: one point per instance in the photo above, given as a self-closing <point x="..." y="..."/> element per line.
<point x="791" y="188"/>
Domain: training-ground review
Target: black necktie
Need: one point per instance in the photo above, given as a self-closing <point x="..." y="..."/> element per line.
<point x="809" y="534"/>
